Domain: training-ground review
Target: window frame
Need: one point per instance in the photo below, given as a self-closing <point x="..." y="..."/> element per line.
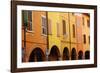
<point x="28" y="22"/>
<point x="43" y="16"/>
<point x="64" y="30"/>
<point x="74" y="33"/>
<point x="84" y="38"/>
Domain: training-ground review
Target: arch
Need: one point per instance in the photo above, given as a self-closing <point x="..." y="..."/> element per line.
<point x="87" y="54"/>
<point x="54" y="54"/>
<point x="65" y="54"/>
<point x="73" y="54"/>
<point x="37" y="55"/>
<point x="80" y="55"/>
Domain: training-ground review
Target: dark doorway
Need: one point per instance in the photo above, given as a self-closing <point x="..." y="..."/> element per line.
<point x="87" y="55"/>
<point x="66" y="54"/>
<point x="54" y="54"/>
<point x="73" y="54"/>
<point x="36" y="55"/>
<point x="80" y="55"/>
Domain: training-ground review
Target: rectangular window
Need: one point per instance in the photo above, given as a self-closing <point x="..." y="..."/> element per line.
<point x="44" y="25"/>
<point x="50" y="26"/>
<point x="64" y="27"/>
<point x="58" y="29"/>
<point x="83" y="20"/>
<point x="27" y="19"/>
<point x="84" y="38"/>
<point x="88" y="23"/>
<point x="73" y="31"/>
<point x="24" y="18"/>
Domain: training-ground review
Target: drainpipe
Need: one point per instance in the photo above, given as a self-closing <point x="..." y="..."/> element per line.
<point x="47" y="49"/>
<point x="24" y="42"/>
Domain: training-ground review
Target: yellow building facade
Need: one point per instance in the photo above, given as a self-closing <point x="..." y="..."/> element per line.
<point x="54" y="37"/>
<point x="65" y="38"/>
<point x="66" y="32"/>
<point x="61" y="26"/>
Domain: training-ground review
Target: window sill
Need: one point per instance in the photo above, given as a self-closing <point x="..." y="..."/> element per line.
<point x="28" y="31"/>
<point x="44" y="35"/>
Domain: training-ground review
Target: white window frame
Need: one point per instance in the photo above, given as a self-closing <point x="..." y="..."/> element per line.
<point x="65" y="35"/>
<point x="43" y="16"/>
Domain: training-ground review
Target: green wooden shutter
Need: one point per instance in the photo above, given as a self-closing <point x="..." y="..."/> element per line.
<point x="25" y="15"/>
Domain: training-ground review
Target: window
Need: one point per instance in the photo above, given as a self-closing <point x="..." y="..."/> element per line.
<point x="88" y="23"/>
<point x="84" y="38"/>
<point x="83" y="20"/>
<point x="44" y="25"/>
<point x="58" y="29"/>
<point x="29" y="27"/>
<point x="73" y="31"/>
<point x="50" y="26"/>
<point x="27" y="19"/>
<point x="64" y="27"/>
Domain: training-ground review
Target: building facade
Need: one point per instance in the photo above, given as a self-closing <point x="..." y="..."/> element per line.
<point x="54" y="36"/>
<point x="86" y="35"/>
<point x="36" y="35"/>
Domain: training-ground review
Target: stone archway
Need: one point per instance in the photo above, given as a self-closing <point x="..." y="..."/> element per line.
<point x="36" y="55"/>
<point x="54" y="54"/>
<point x="73" y="54"/>
<point x="65" y="54"/>
<point x="87" y="55"/>
<point x="80" y="55"/>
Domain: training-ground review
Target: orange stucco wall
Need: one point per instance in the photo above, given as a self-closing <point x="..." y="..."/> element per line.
<point x="34" y="38"/>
